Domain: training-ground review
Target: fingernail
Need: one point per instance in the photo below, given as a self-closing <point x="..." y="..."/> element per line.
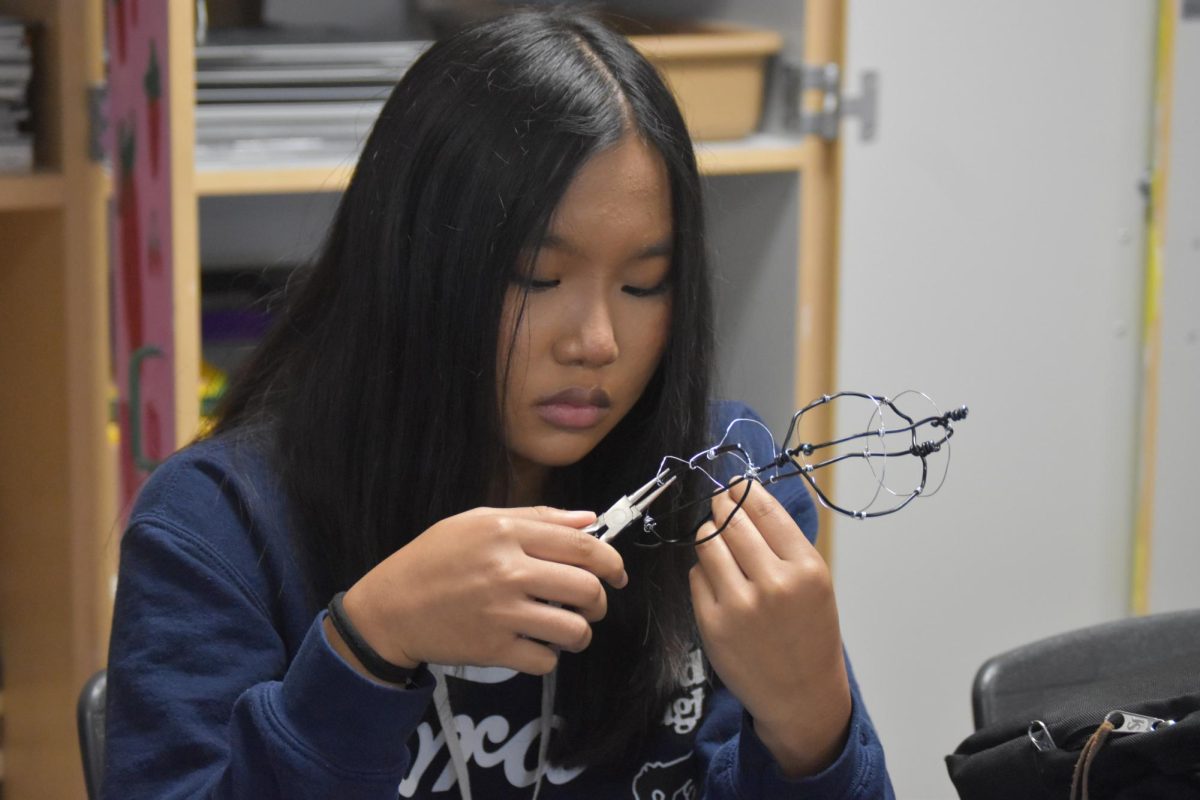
<point x="624" y="580"/>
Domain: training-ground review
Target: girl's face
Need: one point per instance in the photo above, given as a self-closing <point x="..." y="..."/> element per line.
<point x="596" y="314"/>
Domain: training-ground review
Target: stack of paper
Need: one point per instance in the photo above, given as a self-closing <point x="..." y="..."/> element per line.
<point x="269" y="97"/>
<point x="16" y="71"/>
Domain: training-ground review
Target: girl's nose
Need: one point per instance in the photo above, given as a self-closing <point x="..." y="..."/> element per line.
<point x="589" y="338"/>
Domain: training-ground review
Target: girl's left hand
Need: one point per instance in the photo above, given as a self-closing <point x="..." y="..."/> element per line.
<point x="764" y="603"/>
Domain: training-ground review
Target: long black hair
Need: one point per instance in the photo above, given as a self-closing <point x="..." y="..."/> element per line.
<point x="377" y="385"/>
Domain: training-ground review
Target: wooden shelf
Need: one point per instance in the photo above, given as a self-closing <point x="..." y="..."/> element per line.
<point x="759" y="153"/>
<point x="277" y="180"/>
<point x="38" y="190"/>
<point x="54" y="476"/>
<point x="756" y="154"/>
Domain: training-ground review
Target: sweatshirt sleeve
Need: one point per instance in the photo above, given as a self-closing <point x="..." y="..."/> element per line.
<point x="737" y="764"/>
<point x="203" y="702"/>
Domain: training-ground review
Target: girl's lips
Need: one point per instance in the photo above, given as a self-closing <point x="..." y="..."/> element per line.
<point x="572" y="417"/>
<point x="575" y="408"/>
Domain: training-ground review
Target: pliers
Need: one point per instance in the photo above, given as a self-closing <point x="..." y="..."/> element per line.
<point x="627" y="509"/>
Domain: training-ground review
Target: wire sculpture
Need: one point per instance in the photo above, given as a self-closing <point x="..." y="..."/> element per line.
<point x="913" y="437"/>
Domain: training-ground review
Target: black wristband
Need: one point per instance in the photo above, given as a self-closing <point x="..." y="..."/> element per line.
<point x="376" y="664"/>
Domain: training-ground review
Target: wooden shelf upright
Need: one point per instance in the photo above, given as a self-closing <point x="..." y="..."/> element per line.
<point x="56" y="479"/>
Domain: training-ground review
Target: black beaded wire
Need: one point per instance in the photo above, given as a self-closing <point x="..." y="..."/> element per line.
<point x="785" y="465"/>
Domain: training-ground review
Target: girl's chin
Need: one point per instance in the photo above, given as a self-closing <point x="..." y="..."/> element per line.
<point x="554" y="454"/>
<point x="558" y="458"/>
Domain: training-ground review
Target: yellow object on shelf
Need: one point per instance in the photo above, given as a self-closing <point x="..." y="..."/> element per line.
<point x="112" y="428"/>
<point x="212" y="386"/>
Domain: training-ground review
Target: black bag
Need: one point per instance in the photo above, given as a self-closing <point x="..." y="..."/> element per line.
<point x="1074" y="754"/>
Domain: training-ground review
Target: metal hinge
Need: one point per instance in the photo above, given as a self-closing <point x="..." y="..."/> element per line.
<point x="825" y="122"/>
<point x="97" y="104"/>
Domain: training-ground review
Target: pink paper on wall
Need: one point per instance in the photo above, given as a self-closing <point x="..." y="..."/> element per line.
<point x="139" y="147"/>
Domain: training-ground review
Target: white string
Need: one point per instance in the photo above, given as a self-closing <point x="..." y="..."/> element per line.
<point x="441" y="701"/>
<point x="445" y="714"/>
<point x="545" y="724"/>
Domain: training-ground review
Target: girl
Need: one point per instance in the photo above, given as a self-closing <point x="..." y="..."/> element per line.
<point x="510" y="318"/>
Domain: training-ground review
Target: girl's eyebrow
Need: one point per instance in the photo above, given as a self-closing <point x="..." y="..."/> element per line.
<point x="657" y="250"/>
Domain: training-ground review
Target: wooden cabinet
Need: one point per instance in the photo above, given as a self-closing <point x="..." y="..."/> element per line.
<point x="59" y="513"/>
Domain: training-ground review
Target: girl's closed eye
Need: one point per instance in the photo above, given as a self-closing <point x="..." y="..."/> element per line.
<point x="531" y="283"/>
<point x="651" y="291"/>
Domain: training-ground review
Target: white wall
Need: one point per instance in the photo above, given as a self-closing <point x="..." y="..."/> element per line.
<point x="1175" y="543"/>
<point x="754" y="245"/>
<point x="992" y="251"/>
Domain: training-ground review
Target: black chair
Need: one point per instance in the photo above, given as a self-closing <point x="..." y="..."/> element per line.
<point x="1109" y="665"/>
<point x="89" y="716"/>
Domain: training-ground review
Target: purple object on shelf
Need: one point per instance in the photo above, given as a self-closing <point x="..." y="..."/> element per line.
<point x="233" y="325"/>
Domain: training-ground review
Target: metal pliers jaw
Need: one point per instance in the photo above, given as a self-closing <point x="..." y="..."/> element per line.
<point x="629" y="508"/>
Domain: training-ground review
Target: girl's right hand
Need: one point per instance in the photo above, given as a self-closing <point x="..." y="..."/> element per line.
<point x="477" y="589"/>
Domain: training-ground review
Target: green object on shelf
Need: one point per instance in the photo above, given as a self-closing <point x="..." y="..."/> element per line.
<point x="140" y="459"/>
<point x="208" y="405"/>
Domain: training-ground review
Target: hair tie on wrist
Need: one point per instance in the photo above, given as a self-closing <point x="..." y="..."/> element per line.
<point x="375" y="664"/>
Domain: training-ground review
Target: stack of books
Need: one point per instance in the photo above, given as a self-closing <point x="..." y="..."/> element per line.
<point x="16" y="72"/>
<point x="279" y="97"/>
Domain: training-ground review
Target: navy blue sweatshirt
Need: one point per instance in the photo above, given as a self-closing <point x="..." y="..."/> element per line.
<point x="221" y="683"/>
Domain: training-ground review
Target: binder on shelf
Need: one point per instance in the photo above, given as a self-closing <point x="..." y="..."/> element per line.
<point x="16" y="76"/>
<point x="291" y="96"/>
